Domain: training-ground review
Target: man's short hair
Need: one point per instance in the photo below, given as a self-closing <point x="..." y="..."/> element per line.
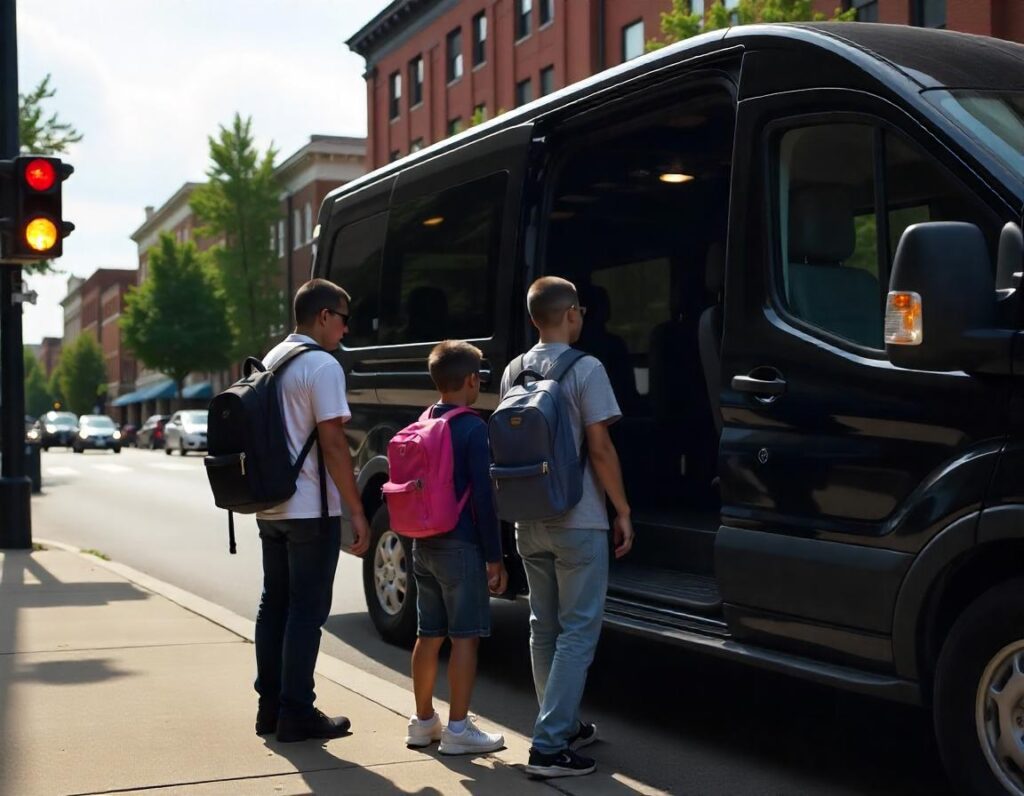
<point x="548" y="298"/>
<point x="317" y="295"/>
<point x="451" y="362"/>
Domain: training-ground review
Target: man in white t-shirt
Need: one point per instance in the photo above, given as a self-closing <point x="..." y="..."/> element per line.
<point x="300" y="550"/>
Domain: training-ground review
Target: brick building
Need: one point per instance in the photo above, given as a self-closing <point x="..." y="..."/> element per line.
<point x="432" y="66"/>
<point x="49" y="354"/>
<point x="72" y="306"/>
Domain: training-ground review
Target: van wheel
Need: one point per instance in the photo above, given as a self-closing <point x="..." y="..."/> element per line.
<point x="388" y="582"/>
<point x="979" y="694"/>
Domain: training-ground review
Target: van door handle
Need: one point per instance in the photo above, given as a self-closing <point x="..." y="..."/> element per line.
<point x="771" y="387"/>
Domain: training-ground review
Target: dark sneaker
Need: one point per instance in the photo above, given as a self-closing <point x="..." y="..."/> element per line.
<point x="585" y="735"/>
<point x="566" y="763"/>
<point x="266" y="718"/>
<point x="316" y="725"/>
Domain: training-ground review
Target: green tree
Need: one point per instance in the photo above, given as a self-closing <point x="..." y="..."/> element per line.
<point x="53" y="386"/>
<point x="240" y="202"/>
<point x="680" y="22"/>
<point x="83" y="374"/>
<point x="176" y="321"/>
<point x="37" y="392"/>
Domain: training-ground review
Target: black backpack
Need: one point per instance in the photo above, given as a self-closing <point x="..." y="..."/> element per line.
<point x="248" y="465"/>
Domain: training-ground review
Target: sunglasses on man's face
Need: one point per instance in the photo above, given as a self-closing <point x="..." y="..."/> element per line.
<point x="343" y="315"/>
<point x="580" y="309"/>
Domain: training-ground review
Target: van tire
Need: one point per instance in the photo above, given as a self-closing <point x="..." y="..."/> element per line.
<point x="395" y="628"/>
<point x="991" y="623"/>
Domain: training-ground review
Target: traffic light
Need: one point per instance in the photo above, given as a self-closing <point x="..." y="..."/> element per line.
<point x="31" y="227"/>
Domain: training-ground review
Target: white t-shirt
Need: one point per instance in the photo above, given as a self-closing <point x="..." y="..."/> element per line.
<point x="312" y="390"/>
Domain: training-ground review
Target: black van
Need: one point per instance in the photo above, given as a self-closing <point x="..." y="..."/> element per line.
<point x="800" y="248"/>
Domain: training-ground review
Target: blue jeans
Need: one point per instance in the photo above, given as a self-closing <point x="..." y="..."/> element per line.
<point x="452" y="598"/>
<point x="299" y="562"/>
<point x="567" y="571"/>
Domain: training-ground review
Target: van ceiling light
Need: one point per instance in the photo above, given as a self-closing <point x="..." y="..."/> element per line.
<point x="675" y="177"/>
<point x="434" y="221"/>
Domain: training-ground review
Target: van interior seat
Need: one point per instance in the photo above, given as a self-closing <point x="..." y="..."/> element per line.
<point x="709" y="331"/>
<point x="821" y="289"/>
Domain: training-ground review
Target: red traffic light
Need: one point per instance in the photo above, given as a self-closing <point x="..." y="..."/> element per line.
<point x="40" y="174"/>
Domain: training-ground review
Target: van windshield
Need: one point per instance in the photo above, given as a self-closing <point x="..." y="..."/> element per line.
<point x="994" y="118"/>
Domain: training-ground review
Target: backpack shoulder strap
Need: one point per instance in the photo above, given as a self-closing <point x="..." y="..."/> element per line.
<point x="564" y="364"/>
<point x="292" y="355"/>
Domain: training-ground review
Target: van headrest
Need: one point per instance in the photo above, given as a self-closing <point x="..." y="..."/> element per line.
<point x="821" y="227"/>
<point x="714" y="267"/>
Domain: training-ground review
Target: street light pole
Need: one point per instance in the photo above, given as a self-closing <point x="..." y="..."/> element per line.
<point x="15" y="487"/>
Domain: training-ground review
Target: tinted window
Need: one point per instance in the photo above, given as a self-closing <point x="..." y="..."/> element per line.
<point x="355" y="265"/>
<point x="440" y="264"/>
<point x="454" y="43"/>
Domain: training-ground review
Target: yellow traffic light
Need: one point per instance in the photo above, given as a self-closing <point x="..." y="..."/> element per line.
<point x="41" y="234"/>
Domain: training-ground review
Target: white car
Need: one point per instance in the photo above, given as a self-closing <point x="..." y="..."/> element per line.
<point x="186" y="431"/>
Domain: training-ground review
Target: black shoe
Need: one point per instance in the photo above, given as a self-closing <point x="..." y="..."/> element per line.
<point x="266" y="718"/>
<point x="566" y="763"/>
<point x="316" y="725"/>
<point x="585" y="735"/>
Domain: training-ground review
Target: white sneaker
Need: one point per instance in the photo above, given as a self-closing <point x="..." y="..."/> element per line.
<point x="471" y="740"/>
<point x="423" y="733"/>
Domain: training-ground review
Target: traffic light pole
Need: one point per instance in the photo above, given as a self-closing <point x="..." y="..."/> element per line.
<point x="15" y="487"/>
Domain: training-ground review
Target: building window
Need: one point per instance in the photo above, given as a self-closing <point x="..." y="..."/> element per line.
<point x="455" y="125"/>
<point x="394" y="95"/>
<point x="416" y="145"/>
<point x="415" y="81"/>
<point x="455" y="55"/>
<point x="395" y="155"/>
<point x="867" y="10"/>
<point x="479" y="114"/>
<point x="697" y="7"/>
<point x="280" y="238"/>
<point x="547" y="80"/>
<point x="547" y="11"/>
<point x="524" y="92"/>
<point x="307" y="218"/>
<point x="633" y="40"/>
<point x="273" y="243"/>
<point x="524" y="8"/>
<point x="480" y="38"/>
<point x="930" y="13"/>
<point x="296" y="229"/>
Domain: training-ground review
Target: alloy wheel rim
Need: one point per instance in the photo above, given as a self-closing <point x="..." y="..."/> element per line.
<point x="390" y="573"/>
<point x="999" y="716"/>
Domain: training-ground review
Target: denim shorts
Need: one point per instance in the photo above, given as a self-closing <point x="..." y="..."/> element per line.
<point x="452" y="598"/>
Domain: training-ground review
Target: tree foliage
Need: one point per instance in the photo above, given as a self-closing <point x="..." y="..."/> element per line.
<point x="39" y="133"/>
<point x="37" y="392"/>
<point x="83" y="374"/>
<point x="176" y="320"/>
<point x="240" y="202"/>
<point x="53" y="386"/>
<point x="680" y="22"/>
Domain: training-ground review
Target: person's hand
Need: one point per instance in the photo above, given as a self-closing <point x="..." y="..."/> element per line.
<point x="497" y="578"/>
<point x="361" y="535"/>
<point x="623" y="535"/>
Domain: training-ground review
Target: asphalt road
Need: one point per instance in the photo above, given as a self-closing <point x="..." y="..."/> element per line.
<point x="671" y="719"/>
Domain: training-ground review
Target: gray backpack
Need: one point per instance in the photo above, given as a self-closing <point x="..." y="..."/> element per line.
<point x="536" y="469"/>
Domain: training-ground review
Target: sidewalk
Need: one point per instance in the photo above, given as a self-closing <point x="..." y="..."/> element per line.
<point x="111" y="681"/>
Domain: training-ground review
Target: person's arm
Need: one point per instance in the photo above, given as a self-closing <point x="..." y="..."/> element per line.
<point x="484" y="513"/>
<point x="604" y="459"/>
<point x="338" y="462"/>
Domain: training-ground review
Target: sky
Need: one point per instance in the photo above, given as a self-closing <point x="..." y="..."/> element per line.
<point x="147" y="81"/>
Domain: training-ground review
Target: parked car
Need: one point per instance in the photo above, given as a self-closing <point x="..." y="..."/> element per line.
<point x="151" y="435"/>
<point x="760" y="219"/>
<point x="129" y="434"/>
<point x="56" y="429"/>
<point x="97" y="432"/>
<point x="186" y="431"/>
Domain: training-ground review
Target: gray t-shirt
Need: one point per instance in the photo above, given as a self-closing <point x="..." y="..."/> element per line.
<point x="591" y="400"/>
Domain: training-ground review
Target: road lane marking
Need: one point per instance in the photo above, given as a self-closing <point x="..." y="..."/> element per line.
<point x="112" y="468"/>
<point x="58" y="471"/>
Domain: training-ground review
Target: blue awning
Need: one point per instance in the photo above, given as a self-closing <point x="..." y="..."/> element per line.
<point x="202" y="390"/>
<point x="153" y="392"/>
<point x="127" y="398"/>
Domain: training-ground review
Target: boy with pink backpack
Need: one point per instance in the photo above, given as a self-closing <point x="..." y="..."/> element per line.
<point x="440" y="495"/>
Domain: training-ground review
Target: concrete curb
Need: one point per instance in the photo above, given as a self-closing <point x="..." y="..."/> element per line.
<point x="387" y="695"/>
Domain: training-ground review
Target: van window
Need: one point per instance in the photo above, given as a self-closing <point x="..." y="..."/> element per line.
<point x="837" y="246"/>
<point x="355" y="266"/>
<point x="440" y="264"/>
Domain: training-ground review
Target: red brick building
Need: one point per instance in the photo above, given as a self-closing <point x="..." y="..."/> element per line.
<point x="432" y="66"/>
<point x="49" y="354"/>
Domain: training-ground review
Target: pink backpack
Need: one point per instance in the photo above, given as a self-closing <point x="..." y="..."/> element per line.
<point x="421" y="493"/>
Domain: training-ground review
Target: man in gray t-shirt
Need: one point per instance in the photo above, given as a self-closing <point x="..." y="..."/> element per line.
<point x="566" y="557"/>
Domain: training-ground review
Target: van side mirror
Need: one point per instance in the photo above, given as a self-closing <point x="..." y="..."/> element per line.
<point x="1010" y="265"/>
<point x="941" y="313"/>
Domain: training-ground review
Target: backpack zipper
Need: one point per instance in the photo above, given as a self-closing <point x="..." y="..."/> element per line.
<point x="241" y="459"/>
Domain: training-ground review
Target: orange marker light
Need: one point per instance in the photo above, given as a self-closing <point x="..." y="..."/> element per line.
<point x="904" y="323"/>
<point x="40" y="175"/>
<point x="41" y="234"/>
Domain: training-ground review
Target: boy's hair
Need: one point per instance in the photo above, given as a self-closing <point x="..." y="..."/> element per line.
<point x="314" y="296"/>
<point x="451" y="362"/>
<point x="548" y="298"/>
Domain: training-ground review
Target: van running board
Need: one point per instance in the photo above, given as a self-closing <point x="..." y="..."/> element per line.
<point x="692" y="593"/>
<point x="621" y="611"/>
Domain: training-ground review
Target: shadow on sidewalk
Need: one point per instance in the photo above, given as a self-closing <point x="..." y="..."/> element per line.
<point x="26" y="583"/>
